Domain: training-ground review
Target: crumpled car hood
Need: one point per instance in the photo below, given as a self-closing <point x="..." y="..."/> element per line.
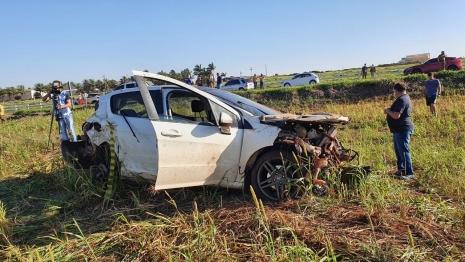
<point x="327" y="118"/>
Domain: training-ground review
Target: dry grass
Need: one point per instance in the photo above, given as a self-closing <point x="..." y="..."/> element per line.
<point x="50" y="212"/>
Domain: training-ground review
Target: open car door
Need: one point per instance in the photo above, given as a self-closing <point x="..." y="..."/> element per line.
<point x="192" y="147"/>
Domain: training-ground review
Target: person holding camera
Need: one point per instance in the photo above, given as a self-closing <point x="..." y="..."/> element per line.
<point x="62" y="103"/>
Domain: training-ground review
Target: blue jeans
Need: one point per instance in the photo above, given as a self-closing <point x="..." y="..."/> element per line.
<point x="401" y="147"/>
<point x="67" y="124"/>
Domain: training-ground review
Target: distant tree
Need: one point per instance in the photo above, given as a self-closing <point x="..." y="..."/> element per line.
<point x="20" y="89"/>
<point x="173" y="74"/>
<point x="11" y="91"/>
<point x="123" y="79"/>
<point x="88" y="85"/>
<point x="211" y="69"/>
<point x="100" y="84"/>
<point x="184" y="73"/>
<point x="163" y="73"/>
<point x="39" y="87"/>
<point x="2" y="94"/>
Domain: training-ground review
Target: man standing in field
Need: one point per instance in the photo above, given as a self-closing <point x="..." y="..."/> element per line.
<point x="62" y="102"/>
<point x="2" y="114"/>
<point x="432" y="91"/>
<point x="364" y="71"/>
<point x="262" y="81"/>
<point x="442" y="61"/>
<point x="254" y="80"/>
<point x="372" y="70"/>
<point x="401" y="126"/>
<point x="219" y="80"/>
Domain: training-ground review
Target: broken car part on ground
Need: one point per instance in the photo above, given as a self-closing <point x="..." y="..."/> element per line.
<point x="175" y="135"/>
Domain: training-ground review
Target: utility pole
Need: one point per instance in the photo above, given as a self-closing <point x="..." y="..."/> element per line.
<point x="250" y="71"/>
<point x="105" y="83"/>
<point x="240" y="73"/>
<point x="266" y="71"/>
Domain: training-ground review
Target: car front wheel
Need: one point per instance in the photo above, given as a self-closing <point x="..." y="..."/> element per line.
<point x="452" y="67"/>
<point x="276" y="176"/>
<point x="312" y="82"/>
<point x="287" y="85"/>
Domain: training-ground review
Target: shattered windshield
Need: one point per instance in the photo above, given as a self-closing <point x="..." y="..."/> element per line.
<point x="250" y="106"/>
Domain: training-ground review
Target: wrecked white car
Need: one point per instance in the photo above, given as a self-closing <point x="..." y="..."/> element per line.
<point x="177" y="135"/>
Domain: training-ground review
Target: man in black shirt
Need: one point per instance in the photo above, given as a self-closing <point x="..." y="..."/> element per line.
<point x="401" y="126"/>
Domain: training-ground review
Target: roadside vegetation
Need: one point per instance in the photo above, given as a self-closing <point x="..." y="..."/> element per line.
<point x="51" y="212"/>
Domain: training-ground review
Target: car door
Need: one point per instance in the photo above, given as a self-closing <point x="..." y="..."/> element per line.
<point x="192" y="150"/>
<point x="135" y="142"/>
<point x="431" y="66"/>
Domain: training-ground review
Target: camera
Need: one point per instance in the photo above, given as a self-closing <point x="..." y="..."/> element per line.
<point x="56" y="85"/>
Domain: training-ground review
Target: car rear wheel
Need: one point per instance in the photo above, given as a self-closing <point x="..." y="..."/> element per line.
<point x="416" y="71"/>
<point x="241" y="89"/>
<point x="276" y="176"/>
<point x="452" y="67"/>
<point x="287" y="85"/>
<point x="312" y="82"/>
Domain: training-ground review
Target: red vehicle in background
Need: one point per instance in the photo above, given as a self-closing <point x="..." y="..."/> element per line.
<point x="432" y="65"/>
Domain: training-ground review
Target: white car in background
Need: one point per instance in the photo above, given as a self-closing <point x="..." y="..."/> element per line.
<point x="301" y="79"/>
<point x="238" y="84"/>
<point x="177" y="135"/>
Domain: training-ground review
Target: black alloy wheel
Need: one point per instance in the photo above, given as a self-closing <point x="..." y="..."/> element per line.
<point x="276" y="176"/>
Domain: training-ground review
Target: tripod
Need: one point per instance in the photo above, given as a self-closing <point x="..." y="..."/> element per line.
<point x="55" y="113"/>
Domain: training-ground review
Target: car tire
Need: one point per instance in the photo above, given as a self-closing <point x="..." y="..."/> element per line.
<point x="287" y="85"/>
<point x="284" y="181"/>
<point x="241" y="89"/>
<point x="453" y="67"/>
<point x="416" y="71"/>
<point x="93" y="102"/>
<point x="312" y="82"/>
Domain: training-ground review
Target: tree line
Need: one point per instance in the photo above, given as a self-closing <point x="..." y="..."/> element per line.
<point x="106" y="85"/>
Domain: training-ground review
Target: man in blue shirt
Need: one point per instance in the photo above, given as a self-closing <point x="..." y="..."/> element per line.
<point x="188" y="80"/>
<point x="62" y="103"/>
<point x="432" y="91"/>
<point x="401" y="126"/>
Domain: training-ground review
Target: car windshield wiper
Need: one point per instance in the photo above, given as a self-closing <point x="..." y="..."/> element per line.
<point x="123" y="113"/>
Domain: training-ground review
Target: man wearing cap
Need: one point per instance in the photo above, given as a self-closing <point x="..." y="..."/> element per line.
<point x="442" y="61"/>
<point x="63" y="108"/>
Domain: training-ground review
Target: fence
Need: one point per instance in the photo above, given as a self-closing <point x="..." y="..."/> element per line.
<point x="10" y="108"/>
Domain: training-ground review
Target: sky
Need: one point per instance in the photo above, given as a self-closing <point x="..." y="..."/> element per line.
<point x="73" y="40"/>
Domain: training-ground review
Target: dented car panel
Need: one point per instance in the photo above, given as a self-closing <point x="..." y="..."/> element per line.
<point x="180" y="136"/>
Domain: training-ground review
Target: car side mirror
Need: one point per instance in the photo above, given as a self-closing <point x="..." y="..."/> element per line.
<point x="225" y="123"/>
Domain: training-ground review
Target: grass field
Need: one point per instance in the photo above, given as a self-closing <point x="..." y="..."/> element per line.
<point x="50" y="212"/>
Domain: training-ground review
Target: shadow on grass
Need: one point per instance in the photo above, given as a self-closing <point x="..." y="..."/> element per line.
<point x="41" y="208"/>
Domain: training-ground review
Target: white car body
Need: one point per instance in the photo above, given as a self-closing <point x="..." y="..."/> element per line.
<point x="162" y="139"/>
<point x="238" y="84"/>
<point x="301" y="79"/>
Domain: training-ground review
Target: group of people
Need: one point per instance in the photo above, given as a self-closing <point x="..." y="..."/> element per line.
<point x="262" y="81"/>
<point x="365" y="70"/>
<point x="401" y="125"/>
<point x="219" y="81"/>
<point x="82" y="98"/>
<point x="199" y="82"/>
